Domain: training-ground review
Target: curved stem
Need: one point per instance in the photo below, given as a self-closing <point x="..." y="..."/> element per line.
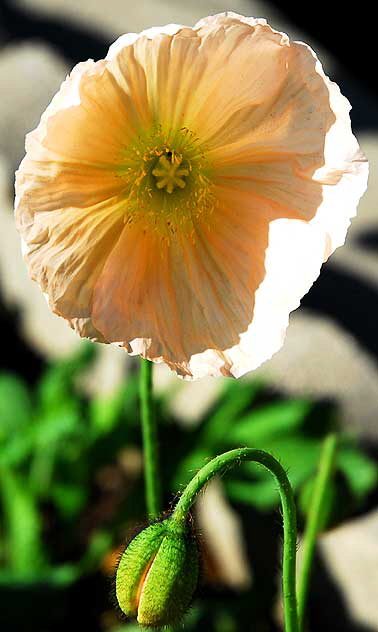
<point x="314" y="520"/>
<point x="220" y="465"/>
<point x="150" y="447"/>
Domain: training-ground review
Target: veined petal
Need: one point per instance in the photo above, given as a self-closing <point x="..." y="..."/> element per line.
<point x="194" y="77"/>
<point x="173" y="300"/>
<point x="290" y="242"/>
<point x="291" y="125"/>
<point x="302" y="156"/>
<point x="66" y="250"/>
<point x="179" y="197"/>
<point x="46" y="186"/>
<point x="92" y="117"/>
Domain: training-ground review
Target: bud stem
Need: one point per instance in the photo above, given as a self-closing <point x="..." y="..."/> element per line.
<point x="220" y="465"/>
<point x="150" y="445"/>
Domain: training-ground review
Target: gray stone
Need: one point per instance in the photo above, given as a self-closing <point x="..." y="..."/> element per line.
<point x="350" y="553"/>
<point x="220" y="528"/>
<point x="352" y="256"/>
<point x="114" y="18"/>
<point x="320" y="360"/>
<point x="42" y="329"/>
<point x="30" y="74"/>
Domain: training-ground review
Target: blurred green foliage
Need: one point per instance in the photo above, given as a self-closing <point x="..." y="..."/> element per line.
<point x="291" y="430"/>
<point x="58" y="523"/>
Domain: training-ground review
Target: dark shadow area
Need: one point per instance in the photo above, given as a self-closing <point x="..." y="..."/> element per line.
<point x="16" y="356"/>
<point x="326" y="607"/>
<point x="368" y="240"/>
<point x="50" y="608"/>
<point x="73" y="41"/>
<point x="349" y="34"/>
<point x="348" y="300"/>
<point x="364" y="112"/>
<point x="200" y="323"/>
<point x="349" y="40"/>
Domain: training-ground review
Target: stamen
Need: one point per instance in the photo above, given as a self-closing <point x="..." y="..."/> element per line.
<point x="168" y="183"/>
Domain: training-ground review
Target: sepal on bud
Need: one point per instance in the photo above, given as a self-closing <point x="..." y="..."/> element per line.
<point x="158" y="574"/>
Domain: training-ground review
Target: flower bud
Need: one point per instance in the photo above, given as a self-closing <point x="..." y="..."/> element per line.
<point x="158" y="573"/>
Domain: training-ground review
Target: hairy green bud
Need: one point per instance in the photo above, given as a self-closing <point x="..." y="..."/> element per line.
<point x="158" y="574"/>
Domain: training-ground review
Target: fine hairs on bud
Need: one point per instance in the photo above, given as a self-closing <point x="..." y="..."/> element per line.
<point x="157" y="573"/>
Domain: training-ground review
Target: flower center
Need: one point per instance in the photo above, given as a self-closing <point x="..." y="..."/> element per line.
<point x="168" y="181"/>
<point x="169" y="173"/>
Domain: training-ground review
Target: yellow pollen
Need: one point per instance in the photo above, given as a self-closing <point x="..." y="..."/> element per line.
<point x="169" y="174"/>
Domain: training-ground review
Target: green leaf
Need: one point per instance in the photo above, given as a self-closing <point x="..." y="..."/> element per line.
<point x="58" y="576"/>
<point x="69" y="498"/>
<point x="263" y="495"/>
<point x="57" y="424"/>
<point x="99" y="545"/>
<point x="15" y="406"/>
<point x="269" y="421"/>
<point x="17" y="448"/>
<point x="106" y="411"/>
<point x="233" y="401"/>
<point x="298" y="455"/>
<point x="59" y="378"/>
<point x="329" y="501"/>
<point x="57" y="433"/>
<point x="62" y="575"/>
<point x="130" y="627"/>
<point x="23" y="526"/>
<point x="359" y="470"/>
<point x="189" y="466"/>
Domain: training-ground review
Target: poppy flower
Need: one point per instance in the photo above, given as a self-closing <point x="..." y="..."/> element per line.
<point x="179" y="197"/>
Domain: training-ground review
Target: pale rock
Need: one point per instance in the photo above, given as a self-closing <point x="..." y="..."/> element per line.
<point x="30" y="75"/>
<point x="42" y="329"/>
<point x="220" y="526"/>
<point x="319" y="360"/>
<point x="115" y="17"/>
<point x="353" y="257"/>
<point x="350" y="553"/>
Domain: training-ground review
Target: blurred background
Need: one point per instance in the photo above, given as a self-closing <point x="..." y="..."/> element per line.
<point x="70" y="447"/>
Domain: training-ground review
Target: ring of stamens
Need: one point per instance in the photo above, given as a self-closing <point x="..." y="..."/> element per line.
<point x="168" y="183"/>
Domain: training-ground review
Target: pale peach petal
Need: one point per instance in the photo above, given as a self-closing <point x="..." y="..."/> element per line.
<point x="183" y="298"/>
<point x="46" y="186"/>
<point x="69" y="208"/>
<point x="344" y="172"/>
<point x="292" y="262"/>
<point x="92" y="117"/>
<point x="247" y="65"/>
<point x="204" y="283"/>
<point x="128" y="39"/>
<point x="225" y="18"/>
<point x="303" y="156"/>
<point x="194" y="76"/>
<point x="289" y="126"/>
<point x="66" y="250"/>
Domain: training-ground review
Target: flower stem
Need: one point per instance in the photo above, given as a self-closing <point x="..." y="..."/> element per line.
<point x="221" y="464"/>
<point x="314" y="520"/>
<point x="150" y="447"/>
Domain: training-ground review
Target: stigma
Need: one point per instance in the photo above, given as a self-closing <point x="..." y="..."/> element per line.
<point x="169" y="173"/>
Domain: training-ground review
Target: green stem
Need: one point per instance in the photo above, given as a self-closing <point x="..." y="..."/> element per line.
<point x="150" y="447"/>
<point x="221" y="464"/>
<point x="314" y="520"/>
